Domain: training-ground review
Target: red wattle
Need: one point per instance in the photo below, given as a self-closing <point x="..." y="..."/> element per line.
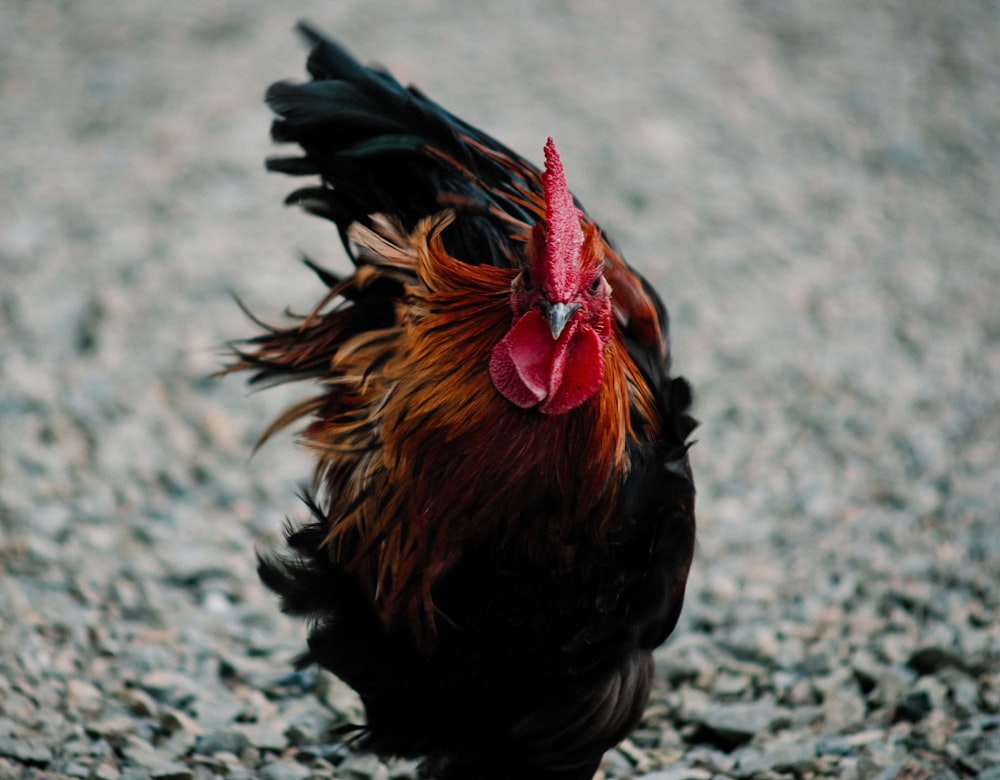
<point x="519" y="364"/>
<point x="527" y="367"/>
<point x="581" y="372"/>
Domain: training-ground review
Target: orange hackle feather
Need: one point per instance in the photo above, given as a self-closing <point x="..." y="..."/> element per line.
<point x="409" y="430"/>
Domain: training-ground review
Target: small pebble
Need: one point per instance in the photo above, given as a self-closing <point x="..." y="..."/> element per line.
<point x="284" y="770"/>
<point x="232" y="742"/>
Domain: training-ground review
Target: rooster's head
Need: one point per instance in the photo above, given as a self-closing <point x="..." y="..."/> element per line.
<point x="553" y="355"/>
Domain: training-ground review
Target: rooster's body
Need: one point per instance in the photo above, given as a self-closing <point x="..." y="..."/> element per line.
<point x="504" y="518"/>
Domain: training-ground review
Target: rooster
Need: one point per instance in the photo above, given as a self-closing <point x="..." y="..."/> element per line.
<point x="502" y="518"/>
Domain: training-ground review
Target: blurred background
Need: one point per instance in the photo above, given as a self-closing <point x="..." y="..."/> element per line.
<point x="813" y="188"/>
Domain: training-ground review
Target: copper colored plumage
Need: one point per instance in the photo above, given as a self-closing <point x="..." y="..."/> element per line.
<point x="503" y="510"/>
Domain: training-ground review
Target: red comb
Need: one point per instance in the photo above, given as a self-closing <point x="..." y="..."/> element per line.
<point x="561" y="275"/>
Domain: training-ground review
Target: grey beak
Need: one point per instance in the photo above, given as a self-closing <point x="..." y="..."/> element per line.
<point x="558" y="314"/>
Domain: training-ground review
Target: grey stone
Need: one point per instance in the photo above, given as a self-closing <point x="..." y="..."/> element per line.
<point x="113" y="728"/>
<point x="82" y="747"/>
<point x="27" y="751"/>
<point x="833" y="745"/>
<point x="963" y="691"/>
<point x="169" y="687"/>
<point x="171" y="771"/>
<point x="363" y="767"/>
<point x="221" y="741"/>
<point x="270" y="735"/>
<point x="889" y="681"/>
<point x="83" y="697"/>
<point x="140" y="702"/>
<point x="795" y="757"/>
<point x="173" y="721"/>
<point x="739" y="722"/>
<point x="283" y="770"/>
<point x="686" y="658"/>
<point x="142" y="754"/>
<point x="308" y="721"/>
<point x="843" y="706"/>
<point x="677" y="773"/>
<point x="104" y="771"/>
<point x="617" y="765"/>
<point x="890" y="772"/>
<point x="70" y="768"/>
<point x="730" y="684"/>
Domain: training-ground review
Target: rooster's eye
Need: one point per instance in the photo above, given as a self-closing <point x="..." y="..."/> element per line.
<point x="596" y="284"/>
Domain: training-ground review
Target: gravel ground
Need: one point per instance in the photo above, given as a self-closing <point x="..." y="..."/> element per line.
<point x="814" y="187"/>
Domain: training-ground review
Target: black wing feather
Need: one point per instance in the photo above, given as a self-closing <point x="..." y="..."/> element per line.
<point x="381" y="147"/>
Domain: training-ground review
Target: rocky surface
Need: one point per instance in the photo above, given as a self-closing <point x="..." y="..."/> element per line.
<point x="815" y="188"/>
